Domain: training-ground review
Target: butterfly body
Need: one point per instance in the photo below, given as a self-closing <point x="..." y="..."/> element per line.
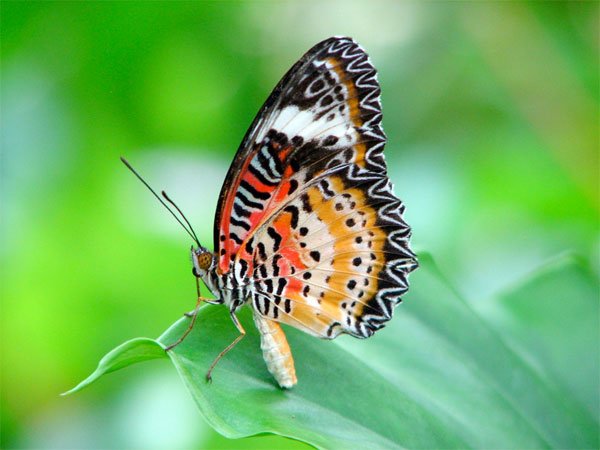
<point x="308" y="231"/>
<point x="231" y="288"/>
<point x="234" y="290"/>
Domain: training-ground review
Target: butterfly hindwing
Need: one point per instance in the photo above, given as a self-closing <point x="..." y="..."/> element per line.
<point x="307" y="208"/>
<point x="342" y="269"/>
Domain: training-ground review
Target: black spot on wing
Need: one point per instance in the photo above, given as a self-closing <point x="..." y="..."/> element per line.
<point x="239" y="223"/>
<point x="249" y="247"/>
<point x="330" y="140"/>
<point x="240" y="210"/>
<point x="261" y="251"/>
<point x="276" y="238"/>
<point x="234" y="237"/>
<point x="306" y="203"/>
<point x="294" y="213"/>
<point x="276" y="259"/>
<point x="249" y="203"/>
<point x="293" y="186"/>
<point x="254" y="192"/>
<point x="281" y="285"/>
<point x="244" y="267"/>
<point x="325" y="188"/>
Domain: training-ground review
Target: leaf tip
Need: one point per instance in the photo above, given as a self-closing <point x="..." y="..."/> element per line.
<point x="126" y="354"/>
<point x="82" y="384"/>
<point x="69" y="392"/>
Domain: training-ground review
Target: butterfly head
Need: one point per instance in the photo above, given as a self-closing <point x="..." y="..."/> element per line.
<point x="203" y="260"/>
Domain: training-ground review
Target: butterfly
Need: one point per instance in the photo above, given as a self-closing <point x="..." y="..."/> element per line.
<point x="308" y="231"/>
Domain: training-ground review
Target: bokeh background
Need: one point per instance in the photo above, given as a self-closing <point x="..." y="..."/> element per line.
<point x="491" y="111"/>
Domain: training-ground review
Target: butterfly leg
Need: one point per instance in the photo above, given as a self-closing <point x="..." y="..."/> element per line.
<point x="193" y="312"/>
<point x="238" y="325"/>
<point x="200" y="298"/>
<point x="193" y="315"/>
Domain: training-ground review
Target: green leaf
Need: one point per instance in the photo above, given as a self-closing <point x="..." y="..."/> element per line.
<point x="126" y="354"/>
<point x="440" y="374"/>
<point x="552" y="321"/>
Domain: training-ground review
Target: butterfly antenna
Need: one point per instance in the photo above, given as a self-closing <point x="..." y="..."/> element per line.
<point x="167" y="198"/>
<point x="139" y="177"/>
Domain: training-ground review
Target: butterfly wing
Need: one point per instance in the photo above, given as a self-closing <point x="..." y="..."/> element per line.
<point x="307" y="211"/>
<point x="251" y="178"/>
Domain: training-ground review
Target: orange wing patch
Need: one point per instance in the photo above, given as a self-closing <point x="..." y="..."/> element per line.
<point x="339" y="253"/>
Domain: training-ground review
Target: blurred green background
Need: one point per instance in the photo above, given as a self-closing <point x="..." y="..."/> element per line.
<point x="491" y="110"/>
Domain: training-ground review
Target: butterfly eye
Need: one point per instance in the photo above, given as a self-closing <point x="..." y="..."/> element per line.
<point x="204" y="260"/>
<point x="195" y="272"/>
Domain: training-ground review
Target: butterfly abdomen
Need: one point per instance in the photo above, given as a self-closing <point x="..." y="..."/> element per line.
<point x="276" y="351"/>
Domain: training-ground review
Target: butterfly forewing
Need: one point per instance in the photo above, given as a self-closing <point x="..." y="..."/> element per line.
<point x="307" y="211"/>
